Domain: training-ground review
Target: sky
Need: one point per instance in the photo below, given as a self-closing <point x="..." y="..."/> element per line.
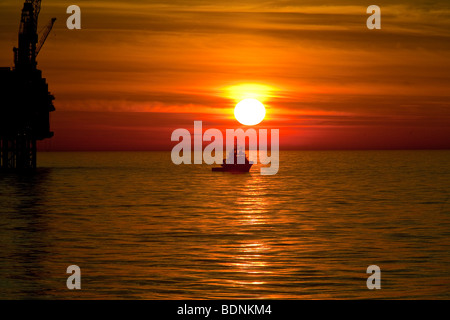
<point x="138" y="70"/>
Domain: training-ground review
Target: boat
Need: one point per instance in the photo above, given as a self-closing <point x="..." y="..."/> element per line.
<point x="235" y="167"/>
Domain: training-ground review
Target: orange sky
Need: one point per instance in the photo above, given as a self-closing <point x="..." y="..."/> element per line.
<point x="140" y="69"/>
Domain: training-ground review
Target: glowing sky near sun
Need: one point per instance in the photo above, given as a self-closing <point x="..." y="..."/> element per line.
<point x="139" y="69"/>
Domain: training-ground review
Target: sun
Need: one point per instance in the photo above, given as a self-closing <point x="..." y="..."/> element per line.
<point x="249" y="112"/>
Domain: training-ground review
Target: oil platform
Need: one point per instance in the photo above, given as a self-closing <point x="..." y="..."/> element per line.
<point x="25" y="102"/>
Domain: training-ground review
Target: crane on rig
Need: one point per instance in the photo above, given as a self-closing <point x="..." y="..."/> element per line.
<point x="44" y="35"/>
<point x="25" y="102"/>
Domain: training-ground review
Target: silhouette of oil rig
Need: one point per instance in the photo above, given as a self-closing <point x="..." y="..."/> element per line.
<point x="25" y="102"/>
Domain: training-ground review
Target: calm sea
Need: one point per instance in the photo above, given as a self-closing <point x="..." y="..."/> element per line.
<point x="140" y="227"/>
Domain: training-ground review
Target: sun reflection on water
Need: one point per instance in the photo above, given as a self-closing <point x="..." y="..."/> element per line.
<point x="250" y="256"/>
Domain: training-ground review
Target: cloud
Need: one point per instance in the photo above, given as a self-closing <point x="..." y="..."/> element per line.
<point x="177" y="56"/>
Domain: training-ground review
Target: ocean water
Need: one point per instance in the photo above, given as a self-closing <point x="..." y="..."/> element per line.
<point x="140" y="227"/>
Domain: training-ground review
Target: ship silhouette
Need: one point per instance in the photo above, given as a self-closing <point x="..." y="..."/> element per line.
<point x="235" y="166"/>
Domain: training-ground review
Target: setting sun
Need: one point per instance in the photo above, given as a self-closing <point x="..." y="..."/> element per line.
<point x="250" y="112"/>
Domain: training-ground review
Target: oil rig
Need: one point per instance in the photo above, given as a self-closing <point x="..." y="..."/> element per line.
<point x="25" y="102"/>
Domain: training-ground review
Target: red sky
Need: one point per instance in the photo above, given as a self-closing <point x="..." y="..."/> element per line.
<point x="140" y="69"/>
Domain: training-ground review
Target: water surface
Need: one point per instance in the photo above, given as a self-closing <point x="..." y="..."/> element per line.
<point x="140" y="227"/>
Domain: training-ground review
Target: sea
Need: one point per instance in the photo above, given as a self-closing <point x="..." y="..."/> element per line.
<point x="140" y="227"/>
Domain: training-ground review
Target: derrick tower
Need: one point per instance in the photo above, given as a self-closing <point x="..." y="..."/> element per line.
<point x="25" y="102"/>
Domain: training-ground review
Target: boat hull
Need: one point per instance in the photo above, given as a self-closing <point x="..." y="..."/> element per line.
<point x="233" y="168"/>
